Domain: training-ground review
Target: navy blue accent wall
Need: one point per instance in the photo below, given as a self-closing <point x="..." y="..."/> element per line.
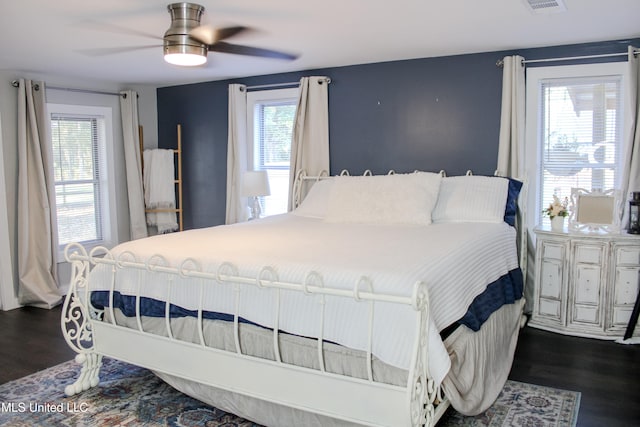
<point x="201" y="109"/>
<point x="428" y="114"/>
<point x="415" y="115"/>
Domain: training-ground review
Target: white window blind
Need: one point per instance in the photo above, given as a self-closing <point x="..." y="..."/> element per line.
<point x="580" y="135"/>
<point x="273" y="115"/>
<point x="76" y="166"/>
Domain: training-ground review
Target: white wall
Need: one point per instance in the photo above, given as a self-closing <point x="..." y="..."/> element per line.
<point x="7" y="296"/>
<point x="148" y="114"/>
<point x="8" y="114"/>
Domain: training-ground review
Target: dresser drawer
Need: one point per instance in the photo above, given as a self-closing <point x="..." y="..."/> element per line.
<point x="621" y="316"/>
<point x="588" y="254"/>
<point x="550" y="308"/>
<point x="553" y="251"/>
<point x="586" y="314"/>
<point x="628" y="255"/>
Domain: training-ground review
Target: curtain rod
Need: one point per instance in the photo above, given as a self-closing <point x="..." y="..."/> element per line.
<point x="500" y="62"/>
<point x="274" y="85"/>
<point x="16" y="83"/>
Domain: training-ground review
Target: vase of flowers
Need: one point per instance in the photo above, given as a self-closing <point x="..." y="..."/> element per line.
<point x="557" y="211"/>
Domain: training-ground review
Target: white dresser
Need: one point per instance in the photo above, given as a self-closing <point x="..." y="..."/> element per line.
<point x="585" y="284"/>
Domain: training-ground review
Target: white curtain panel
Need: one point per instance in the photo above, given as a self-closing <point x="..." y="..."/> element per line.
<point x="511" y="142"/>
<point x="237" y="210"/>
<point x="511" y="148"/>
<point x="631" y="174"/>
<point x="37" y="233"/>
<point x="133" y="164"/>
<point x="310" y="141"/>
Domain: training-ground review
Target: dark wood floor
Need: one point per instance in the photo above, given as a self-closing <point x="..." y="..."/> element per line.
<point x="607" y="374"/>
<point x="30" y="340"/>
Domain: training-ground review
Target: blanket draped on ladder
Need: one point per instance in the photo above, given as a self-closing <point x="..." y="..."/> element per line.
<point x="159" y="189"/>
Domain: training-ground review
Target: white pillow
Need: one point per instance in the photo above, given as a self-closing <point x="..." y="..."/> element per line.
<point x="316" y="202"/>
<point x="384" y="199"/>
<point x="471" y="199"/>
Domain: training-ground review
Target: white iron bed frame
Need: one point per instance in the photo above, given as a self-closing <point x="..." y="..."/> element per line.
<point x="363" y="401"/>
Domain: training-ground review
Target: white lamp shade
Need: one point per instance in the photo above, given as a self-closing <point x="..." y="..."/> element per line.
<point x="255" y="183"/>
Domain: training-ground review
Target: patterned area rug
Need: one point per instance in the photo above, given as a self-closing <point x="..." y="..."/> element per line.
<point x="524" y="405"/>
<point x="132" y="396"/>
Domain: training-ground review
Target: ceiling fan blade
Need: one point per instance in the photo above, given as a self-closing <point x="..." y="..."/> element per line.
<point x="250" y="51"/>
<point x="226" y="32"/>
<point x="210" y="35"/>
<point x="117" y="29"/>
<point x="114" y="50"/>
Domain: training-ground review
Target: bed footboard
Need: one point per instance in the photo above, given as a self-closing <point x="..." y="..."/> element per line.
<point x="362" y="401"/>
<point x="77" y="327"/>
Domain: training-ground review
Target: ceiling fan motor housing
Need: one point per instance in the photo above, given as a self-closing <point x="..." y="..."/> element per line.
<point x="184" y="18"/>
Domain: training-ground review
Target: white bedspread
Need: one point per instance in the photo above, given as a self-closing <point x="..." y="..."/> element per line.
<point x="457" y="261"/>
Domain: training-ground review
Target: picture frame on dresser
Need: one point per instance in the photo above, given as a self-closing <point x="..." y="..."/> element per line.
<point x="594" y="210"/>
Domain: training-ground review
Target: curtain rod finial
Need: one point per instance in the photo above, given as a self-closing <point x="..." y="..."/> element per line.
<point x="500" y="63"/>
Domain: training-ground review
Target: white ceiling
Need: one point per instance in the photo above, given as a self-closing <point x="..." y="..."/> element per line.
<point x="53" y="37"/>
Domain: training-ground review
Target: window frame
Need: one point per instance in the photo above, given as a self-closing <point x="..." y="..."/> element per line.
<point x="262" y="97"/>
<point x="106" y="165"/>
<point x="533" y="145"/>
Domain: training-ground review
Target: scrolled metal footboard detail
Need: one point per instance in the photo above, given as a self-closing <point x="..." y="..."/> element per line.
<point x="423" y="391"/>
<point x="89" y="374"/>
<point x="75" y="321"/>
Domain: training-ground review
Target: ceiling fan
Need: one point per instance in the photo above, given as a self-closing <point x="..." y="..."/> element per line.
<point x="187" y="42"/>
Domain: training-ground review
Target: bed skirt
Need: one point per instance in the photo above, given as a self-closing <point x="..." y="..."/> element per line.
<point x="480" y="367"/>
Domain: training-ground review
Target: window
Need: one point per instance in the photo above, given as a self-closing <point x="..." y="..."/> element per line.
<point x="80" y="136"/>
<point x="575" y="124"/>
<point x="270" y="117"/>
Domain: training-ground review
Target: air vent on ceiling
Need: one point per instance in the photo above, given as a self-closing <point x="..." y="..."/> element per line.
<point x="546" y="6"/>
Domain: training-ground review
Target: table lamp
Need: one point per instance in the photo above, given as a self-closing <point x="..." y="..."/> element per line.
<point x="255" y="184"/>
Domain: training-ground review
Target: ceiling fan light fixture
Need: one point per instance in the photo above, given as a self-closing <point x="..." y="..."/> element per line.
<point x="187" y="43"/>
<point x="179" y="48"/>
<point x="185" y="55"/>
